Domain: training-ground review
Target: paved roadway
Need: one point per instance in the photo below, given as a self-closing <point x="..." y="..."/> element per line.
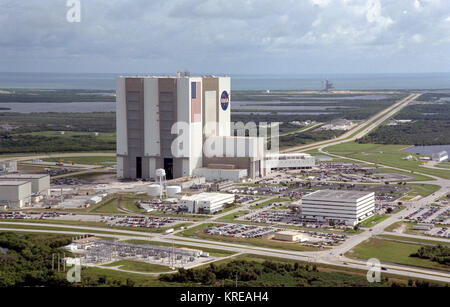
<point x="375" y="121"/>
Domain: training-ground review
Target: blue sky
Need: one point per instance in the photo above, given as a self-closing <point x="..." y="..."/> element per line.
<point x="227" y="36"/>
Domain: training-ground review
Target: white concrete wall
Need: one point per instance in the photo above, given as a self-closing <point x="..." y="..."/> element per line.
<point x="121" y="117"/>
<point x="196" y="133"/>
<point x="119" y="167"/>
<point x="15" y="193"/>
<point x="151" y="118"/>
<point x="210" y="113"/>
<point x="224" y="117"/>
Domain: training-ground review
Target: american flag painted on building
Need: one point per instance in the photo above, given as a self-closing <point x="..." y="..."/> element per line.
<point x="196" y="102"/>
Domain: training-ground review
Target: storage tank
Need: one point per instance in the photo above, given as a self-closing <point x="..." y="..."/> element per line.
<point x="154" y="190"/>
<point x="173" y="190"/>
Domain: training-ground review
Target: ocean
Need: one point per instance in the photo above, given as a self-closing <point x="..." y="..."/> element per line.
<point x="101" y="81"/>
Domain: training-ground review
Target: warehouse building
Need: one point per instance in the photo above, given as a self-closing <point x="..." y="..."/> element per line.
<point x="40" y="183"/>
<point x="206" y="202"/>
<point x="289" y="236"/>
<point x="440" y="156"/>
<point x="152" y="114"/>
<point x="8" y="166"/>
<point x="289" y="161"/>
<point x="346" y="207"/>
<point x="15" y="194"/>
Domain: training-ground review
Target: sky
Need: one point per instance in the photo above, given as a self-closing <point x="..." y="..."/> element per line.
<point x="226" y="36"/>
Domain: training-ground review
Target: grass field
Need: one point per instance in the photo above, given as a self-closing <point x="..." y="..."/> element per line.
<point x="99" y="224"/>
<point x="443" y="165"/>
<point x="414" y="240"/>
<point x="390" y="155"/>
<point x="393" y="252"/>
<point x="139" y="266"/>
<point x="108" y="136"/>
<point x="94" y="160"/>
<point x="50" y="229"/>
<point x="422" y="190"/>
<point x="373" y="220"/>
<point x="270" y="201"/>
<point x="232" y="216"/>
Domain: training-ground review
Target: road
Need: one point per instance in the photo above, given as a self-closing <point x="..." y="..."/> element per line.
<point x="354" y="133"/>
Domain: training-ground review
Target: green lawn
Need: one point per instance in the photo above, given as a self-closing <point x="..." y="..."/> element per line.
<point x="139" y="266"/>
<point x="109" y="136"/>
<point x="443" y="165"/>
<point x="373" y="220"/>
<point x="414" y="240"/>
<point x="393" y="252"/>
<point x="270" y="201"/>
<point x="390" y="155"/>
<point x="422" y="190"/>
<point x="94" y="160"/>
<point x="232" y="216"/>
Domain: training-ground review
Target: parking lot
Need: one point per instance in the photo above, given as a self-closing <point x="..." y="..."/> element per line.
<point x="141" y="221"/>
<point x="431" y="214"/>
<point x="252" y="231"/>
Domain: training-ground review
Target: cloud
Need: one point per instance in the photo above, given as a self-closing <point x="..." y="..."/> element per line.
<point x="245" y="36"/>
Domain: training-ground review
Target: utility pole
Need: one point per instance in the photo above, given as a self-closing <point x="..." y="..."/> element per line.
<point x="53" y="261"/>
<point x="236" y="279"/>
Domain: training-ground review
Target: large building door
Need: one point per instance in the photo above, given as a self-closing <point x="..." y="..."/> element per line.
<point x="138" y="167"/>
<point x="168" y="167"/>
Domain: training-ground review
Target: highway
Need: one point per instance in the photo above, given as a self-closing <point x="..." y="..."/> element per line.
<point x="355" y="133"/>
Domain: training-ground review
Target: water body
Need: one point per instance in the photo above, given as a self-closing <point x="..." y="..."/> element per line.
<point x="288" y="108"/>
<point x="281" y="113"/>
<point x="428" y="150"/>
<point x="419" y="81"/>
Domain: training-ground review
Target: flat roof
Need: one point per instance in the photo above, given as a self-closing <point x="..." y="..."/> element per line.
<point x="24" y="176"/>
<point x="336" y="195"/>
<point x="288" y="233"/>
<point x="206" y="196"/>
<point x="7" y="183"/>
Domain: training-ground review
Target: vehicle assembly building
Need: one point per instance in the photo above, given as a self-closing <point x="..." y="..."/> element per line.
<point x="348" y="207"/>
<point x="148" y="139"/>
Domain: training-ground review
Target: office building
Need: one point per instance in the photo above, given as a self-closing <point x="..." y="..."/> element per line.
<point x="289" y="161"/>
<point x="340" y="207"/>
<point x="206" y="202"/>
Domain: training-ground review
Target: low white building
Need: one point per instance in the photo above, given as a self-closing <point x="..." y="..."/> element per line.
<point x="289" y="161"/>
<point x="218" y="174"/>
<point x="206" y="202"/>
<point x="8" y="166"/>
<point x="40" y="183"/>
<point x="440" y="156"/>
<point x="348" y="207"/>
<point x="15" y="194"/>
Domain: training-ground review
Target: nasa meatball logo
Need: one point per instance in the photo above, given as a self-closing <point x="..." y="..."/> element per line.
<point x="225" y="100"/>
